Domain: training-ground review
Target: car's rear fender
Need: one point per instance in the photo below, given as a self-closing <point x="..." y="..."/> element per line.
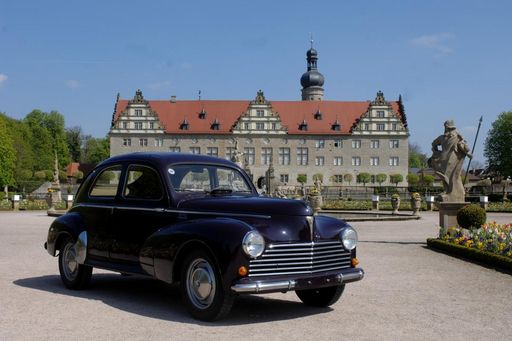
<point x="220" y="237"/>
<point x="68" y="225"/>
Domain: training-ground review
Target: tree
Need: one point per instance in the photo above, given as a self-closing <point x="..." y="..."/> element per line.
<point x="380" y="178"/>
<point x="413" y="179"/>
<point x="498" y="145"/>
<point x="364" y="178"/>
<point x="95" y="150"/>
<point x="7" y="157"/>
<point x="348" y="178"/>
<point x="74" y="141"/>
<point x="417" y="159"/>
<point x="396" y="178"/>
<point x="302" y="178"/>
<point x="428" y="180"/>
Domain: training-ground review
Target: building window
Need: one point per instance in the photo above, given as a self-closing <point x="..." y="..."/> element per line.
<point x="366" y="126"/>
<point x="230" y="153"/>
<point x="319" y="161"/>
<point x="266" y="155"/>
<point x="151" y="125"/>
<point x="127" y="142"/>
<point x="284" y="156"/>
<point x="125" y="125"/>
<point x="174" y="149"/>
<point x="338" y="143"/>
<point x="212" y="151"/>
<point x="394" y="126"/>
<point x="138" y="112"/>
<point x="260" y="113"/>
<point x="381" y="126"/>
<point x="356" y="161"/>
<point x="195" y="150"/>
<point x="159" y="142"/>
<point x="337" y="178"/>
<point x="320" y="144"/>
<point x="338" y="161"/>
<point x="274" y="126"/>
<point x="143" y="142"/>
<point x="381" y="114"/>
<point x="374" y="144"/>
<point x="138" y="125"/>
<point x="249" y="153"/>
<point x="215" y="125"/>
<point x="284" y="178"/>
<point x="260" y="126"/>
<point x="302" y="156"/>
<point x="393" y="144"/>
<point x="303" y="125"/>
<point x="374" y="161"/>
<point x="394" y="161"/>
<point x="356" y="144"/>
<point x="247" y="126"/>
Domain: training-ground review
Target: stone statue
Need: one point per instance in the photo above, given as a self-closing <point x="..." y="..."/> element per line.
<point x="56" y="170"/>
<point x="318" y="185"/>
<point x="447" y="161"/>
<point x="238" y="156"/>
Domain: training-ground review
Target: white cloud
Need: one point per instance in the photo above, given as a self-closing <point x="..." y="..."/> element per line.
<point x="436" y="42"/>
<point x="3" y="79"/>
<point x="72" y="84"/>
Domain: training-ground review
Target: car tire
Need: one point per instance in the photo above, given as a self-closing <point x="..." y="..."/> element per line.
<point x="322" y="297"/>
<point x="202" y="289"/>
<point x="72" y="274"/>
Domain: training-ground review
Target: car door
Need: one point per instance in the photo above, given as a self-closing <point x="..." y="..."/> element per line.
<point x="140" y="213"/>
<point x="97" y="211"/>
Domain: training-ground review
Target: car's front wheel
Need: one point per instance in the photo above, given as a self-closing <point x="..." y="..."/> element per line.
<point x="202" y="289"/>
<point x="72" y="274"/>
<point x="322" y="297"/>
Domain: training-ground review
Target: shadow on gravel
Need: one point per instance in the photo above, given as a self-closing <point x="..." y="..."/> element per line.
<point x="159" y="300"/>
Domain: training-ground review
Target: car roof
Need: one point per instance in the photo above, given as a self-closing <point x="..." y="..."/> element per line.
<point x="167" y="158"/>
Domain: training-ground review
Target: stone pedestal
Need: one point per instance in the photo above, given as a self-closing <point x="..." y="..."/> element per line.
<point x="16" y="202"/>
<point x="430" y="202"/>
<point x="416" y="206"/>
<point x="448" y="213"/>
<point x="316" y="202"/>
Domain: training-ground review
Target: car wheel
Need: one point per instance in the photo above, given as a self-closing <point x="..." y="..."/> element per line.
<point x="322" y="297"/>
<point x="72" y="274"/>
<point x="202" y="289"/>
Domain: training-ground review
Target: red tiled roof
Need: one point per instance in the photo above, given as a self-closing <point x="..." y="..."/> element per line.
<point x="292" y="113"/>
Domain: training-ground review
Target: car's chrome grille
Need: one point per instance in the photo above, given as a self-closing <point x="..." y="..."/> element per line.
<point x="300" y="258"/>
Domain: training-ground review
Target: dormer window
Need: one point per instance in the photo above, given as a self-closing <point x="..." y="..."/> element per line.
<point x="202" y="114"/>
<point x="260" y="113"/>
<point x="215" y="125"/>
<point x="318" y="115"/>
<point x="336" y="126"/>
<point x="303" y="125"/>
<point x="184" y="125"/>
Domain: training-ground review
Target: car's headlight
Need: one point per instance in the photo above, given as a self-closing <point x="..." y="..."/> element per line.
<point x="349" y="238"/>
<point x="253" y="244"/>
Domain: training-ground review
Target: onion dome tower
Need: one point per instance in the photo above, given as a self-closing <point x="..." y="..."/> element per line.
<point x="312" y="80"/>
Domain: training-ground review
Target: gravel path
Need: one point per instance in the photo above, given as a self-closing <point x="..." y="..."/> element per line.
<point x="409" y="292"/>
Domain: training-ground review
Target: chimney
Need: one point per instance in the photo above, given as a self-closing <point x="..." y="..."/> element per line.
<point x="173" y="99"/>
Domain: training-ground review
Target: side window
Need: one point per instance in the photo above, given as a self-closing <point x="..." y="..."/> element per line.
<point x="142" y="183"/>
<point x="106" y="183"/>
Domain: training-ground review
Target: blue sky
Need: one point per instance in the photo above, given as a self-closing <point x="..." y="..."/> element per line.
<point x="448" y="59"/>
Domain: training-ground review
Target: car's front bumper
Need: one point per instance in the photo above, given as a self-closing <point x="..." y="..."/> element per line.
<point x="252" y="286"/>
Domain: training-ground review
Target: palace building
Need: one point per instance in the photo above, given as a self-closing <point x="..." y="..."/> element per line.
<point x="306" y="137"/>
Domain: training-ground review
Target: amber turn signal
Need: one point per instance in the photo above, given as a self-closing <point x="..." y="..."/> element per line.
<point x="242" y="271"/>
<point x="355" y="262"/>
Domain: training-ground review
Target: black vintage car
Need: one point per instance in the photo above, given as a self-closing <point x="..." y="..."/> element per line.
<point x="199" y="221"/>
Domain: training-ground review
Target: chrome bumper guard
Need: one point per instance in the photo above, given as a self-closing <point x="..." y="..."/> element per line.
<point x="262" y="286"/>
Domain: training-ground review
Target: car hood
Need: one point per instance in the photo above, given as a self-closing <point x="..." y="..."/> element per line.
<point x="248" y="205"/>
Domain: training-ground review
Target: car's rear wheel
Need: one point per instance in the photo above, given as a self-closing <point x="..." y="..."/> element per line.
<point x="202" y="289"/>
<point x="72" y="274"/>
<point x="322" y="297"/>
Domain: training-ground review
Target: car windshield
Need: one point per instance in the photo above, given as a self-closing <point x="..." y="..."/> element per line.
<point x="211" y="179"/>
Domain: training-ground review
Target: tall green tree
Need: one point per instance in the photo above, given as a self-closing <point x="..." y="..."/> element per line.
<point x="20" y="136"/>
<point x="95" y="150"/>
<point x="7" y="157"/>
<point x="417" y="159"/>
<point x="498" y="145"/>
<point x="74" y="138"/>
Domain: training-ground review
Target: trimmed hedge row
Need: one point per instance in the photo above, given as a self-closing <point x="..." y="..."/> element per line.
<point x="471" y="253"/>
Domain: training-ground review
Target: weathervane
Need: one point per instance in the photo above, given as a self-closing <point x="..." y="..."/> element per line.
<point x="199" y="94"/>
<point x="311" y="39"/>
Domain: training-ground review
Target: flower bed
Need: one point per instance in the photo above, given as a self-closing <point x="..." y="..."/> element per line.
<point x="491" y="244"/>
<point x="405" y="205"/>
<point x="499" y="207"/>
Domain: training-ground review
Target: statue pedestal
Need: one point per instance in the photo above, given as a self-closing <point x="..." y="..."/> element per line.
<point x="448" y="213"/>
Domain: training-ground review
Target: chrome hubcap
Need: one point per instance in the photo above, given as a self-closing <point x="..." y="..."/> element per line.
<point x="201" y="283"/>
<point x="70" y="265"/>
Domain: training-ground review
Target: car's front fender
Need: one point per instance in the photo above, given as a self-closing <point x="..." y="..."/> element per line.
<point x="221" y="237"/>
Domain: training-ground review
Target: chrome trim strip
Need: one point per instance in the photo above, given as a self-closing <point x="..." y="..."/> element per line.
<point x="319" y="244"/>
<point x="81" y="248"/>
<point x="260" y="287"/>
<point x="260" y="216"/>
<point x="311" y="222"/>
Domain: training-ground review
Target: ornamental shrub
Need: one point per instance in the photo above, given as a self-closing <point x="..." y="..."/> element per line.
<point x="471" y="216"/>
